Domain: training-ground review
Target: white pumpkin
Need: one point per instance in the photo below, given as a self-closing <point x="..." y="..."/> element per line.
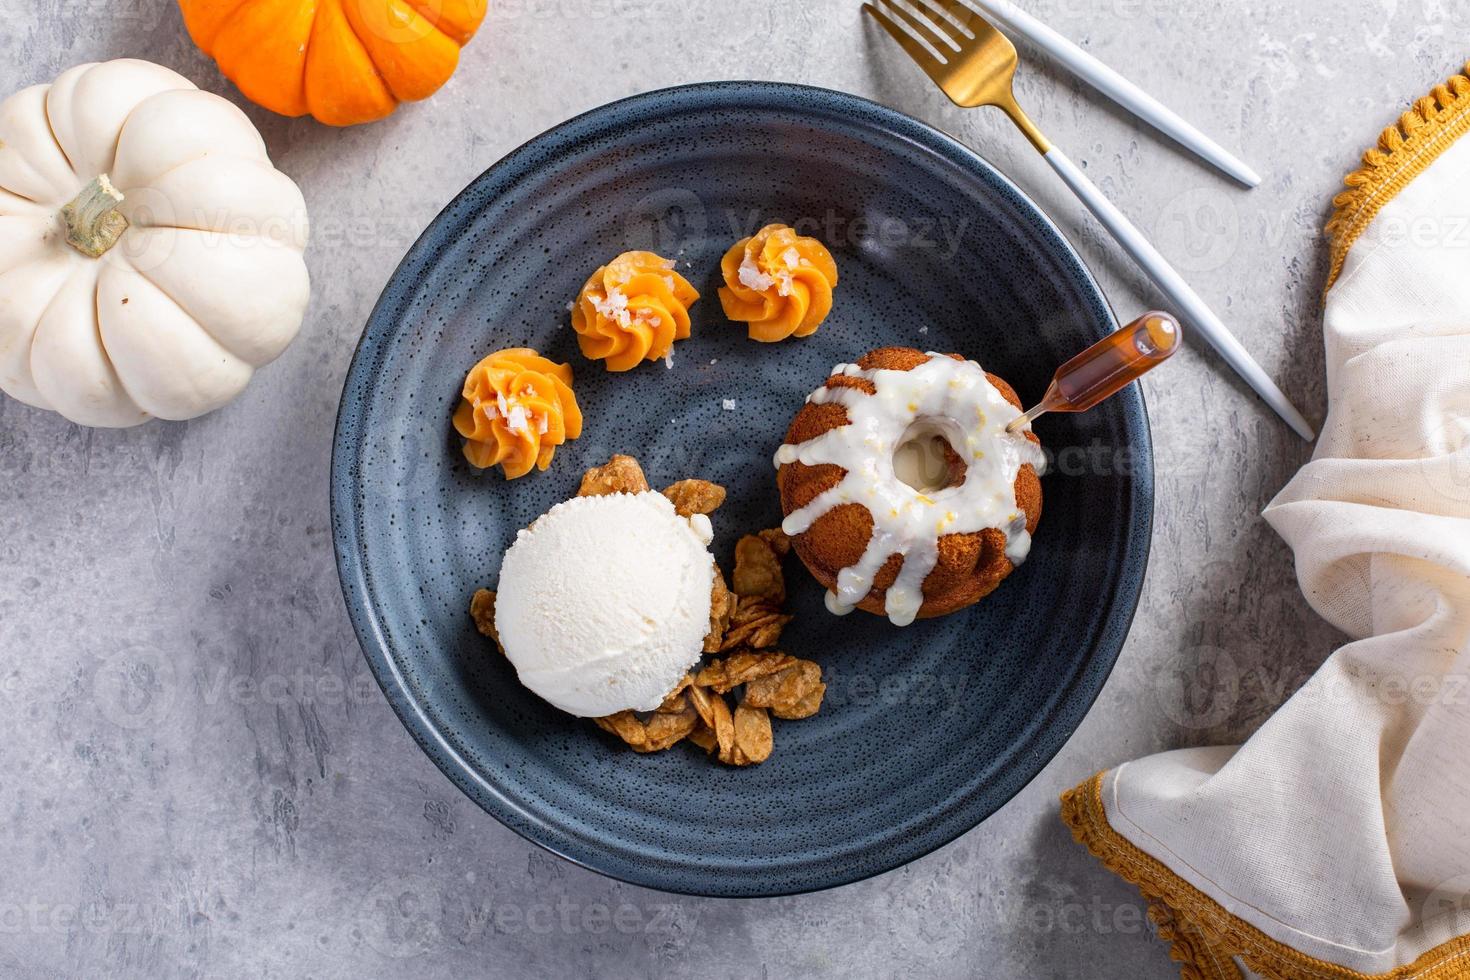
<point x="150" y="254"/>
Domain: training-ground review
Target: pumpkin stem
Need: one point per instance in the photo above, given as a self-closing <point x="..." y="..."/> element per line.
<point x="93" y="222"/>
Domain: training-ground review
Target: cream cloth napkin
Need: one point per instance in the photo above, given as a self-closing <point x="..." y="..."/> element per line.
<point x="1336" y="841"/>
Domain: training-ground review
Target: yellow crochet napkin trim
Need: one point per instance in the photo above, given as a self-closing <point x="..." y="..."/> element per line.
<point x="1204" y="938"/>
<point x="1404" y="150"/>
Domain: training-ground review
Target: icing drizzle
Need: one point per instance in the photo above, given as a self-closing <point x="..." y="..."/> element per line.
<point x="955" y="399"/>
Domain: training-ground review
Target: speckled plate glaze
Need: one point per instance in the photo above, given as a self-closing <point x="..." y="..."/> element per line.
<point x="925" y="730"/>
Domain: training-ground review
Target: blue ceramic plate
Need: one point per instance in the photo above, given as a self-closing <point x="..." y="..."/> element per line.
<point x="925" y="730"/>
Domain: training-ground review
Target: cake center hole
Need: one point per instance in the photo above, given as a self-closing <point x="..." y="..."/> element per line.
<point x="925" y="459"/>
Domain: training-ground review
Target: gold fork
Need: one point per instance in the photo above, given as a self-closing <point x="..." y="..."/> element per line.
<point x="974" y="64"/>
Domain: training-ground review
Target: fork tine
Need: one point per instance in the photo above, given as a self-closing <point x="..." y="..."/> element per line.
<point x="922" y="56"/>
<point x="961" y="16"/>
<point x="931" y="33"/>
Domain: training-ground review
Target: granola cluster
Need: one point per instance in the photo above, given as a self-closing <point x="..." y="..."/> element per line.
<point x="746" y="620"/>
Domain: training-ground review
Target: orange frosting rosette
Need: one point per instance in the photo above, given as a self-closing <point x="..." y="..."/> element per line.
<point x="517" y="408"/>
<point x="778" y="282"/>
<point x="632" y="310"/>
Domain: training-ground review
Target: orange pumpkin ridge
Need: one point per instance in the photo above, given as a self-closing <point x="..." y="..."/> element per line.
<point x="341" y="61"/>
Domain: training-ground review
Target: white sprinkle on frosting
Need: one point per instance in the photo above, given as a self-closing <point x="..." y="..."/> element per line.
<point x="614" y="306"/>
<point x="753" y="278"/>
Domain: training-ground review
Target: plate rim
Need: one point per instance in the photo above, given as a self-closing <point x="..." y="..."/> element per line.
<point x="382" y="323"/>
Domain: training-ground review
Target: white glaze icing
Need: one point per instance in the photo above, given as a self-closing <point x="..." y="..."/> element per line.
<point x="953" y="398"/>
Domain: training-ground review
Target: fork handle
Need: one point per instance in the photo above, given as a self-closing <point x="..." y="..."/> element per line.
<point x="1185" y="300"/>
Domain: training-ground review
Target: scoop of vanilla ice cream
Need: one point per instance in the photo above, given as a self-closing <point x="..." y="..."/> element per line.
<point x="604" y="602"/>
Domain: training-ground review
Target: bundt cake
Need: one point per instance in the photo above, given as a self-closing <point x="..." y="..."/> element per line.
<point x="875" y="536"/>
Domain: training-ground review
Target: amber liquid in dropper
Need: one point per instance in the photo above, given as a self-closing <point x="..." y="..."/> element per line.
<point x="1108" y="365"/>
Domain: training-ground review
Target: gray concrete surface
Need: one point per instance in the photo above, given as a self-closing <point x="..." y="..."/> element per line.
<point x="199" y="779"/>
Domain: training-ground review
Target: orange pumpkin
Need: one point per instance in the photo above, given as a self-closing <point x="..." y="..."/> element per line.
<point x="342" y="61"/>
